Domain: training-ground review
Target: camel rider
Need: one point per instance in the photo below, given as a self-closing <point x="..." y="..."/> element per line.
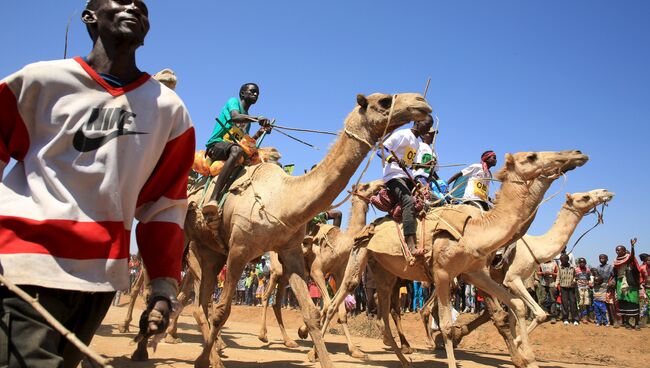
<point x="475" y="179"/>
<point x="425" y="156"/>
<point x="402" y="145"/>
<point x="233" y="123"/>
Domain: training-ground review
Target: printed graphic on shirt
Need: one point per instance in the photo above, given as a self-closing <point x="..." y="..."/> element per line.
<point x="235" y="134"/>
<point x="409" y="156"/>
<point x="480" y="190"/>
<point x="103" y="125"/>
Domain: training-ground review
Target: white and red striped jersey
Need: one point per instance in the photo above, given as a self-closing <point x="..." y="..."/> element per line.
<point x="89" y="159"/>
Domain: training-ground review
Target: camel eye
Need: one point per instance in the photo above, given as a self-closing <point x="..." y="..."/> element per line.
<point x="532" y="157"/>
<point x="585" y="197"/>
<point x="385" y="102"/>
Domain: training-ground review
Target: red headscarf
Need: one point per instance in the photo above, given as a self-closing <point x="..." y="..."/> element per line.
<point x="484" y="158"/>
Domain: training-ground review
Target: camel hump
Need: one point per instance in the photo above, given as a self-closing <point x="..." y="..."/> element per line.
<point x="386" y="235"/>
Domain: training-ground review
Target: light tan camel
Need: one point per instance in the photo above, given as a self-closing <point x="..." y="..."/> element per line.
<point x="531" y="251"/>
<point x="326" y="253"/>
<point x="538" y="187"/>
<point x="266" y="210"/>
<point x="465" y="254"/>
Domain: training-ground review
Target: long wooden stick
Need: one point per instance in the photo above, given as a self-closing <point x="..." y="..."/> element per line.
<point x="104" y="362"/>
<point x="426" y="89"/>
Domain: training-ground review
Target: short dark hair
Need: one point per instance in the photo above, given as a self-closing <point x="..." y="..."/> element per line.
<point x="92" y="4"/>
<point x="241" y="89"/>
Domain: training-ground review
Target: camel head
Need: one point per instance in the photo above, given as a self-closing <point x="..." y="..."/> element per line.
<point x="166" y="77"/>
<point x="371" y="114"/>
<point x="531" y="165"/>
<point x="585" y="202"/>
<point x="367" y="190"/>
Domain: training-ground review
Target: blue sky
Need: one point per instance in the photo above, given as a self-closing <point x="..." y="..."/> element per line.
<point x="505" y="75"/>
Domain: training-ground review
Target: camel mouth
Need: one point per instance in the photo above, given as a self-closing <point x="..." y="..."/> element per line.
<point x="575" y="163"/>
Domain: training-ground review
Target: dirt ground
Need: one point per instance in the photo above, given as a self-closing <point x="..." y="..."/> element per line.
<point x="554" y="345"/>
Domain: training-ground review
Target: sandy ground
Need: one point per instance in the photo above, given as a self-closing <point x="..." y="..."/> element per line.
<point x="555" y="345"/>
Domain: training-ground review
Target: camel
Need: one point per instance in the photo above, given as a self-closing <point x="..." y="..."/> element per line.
<point x="327" y="252"/>
<point x="466" y="254"/>
<point x="531" y="251"/>
<point x="537" y="189"/>
<point x="266" y="210"/>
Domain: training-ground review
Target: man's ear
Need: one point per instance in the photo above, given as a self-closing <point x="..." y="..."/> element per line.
<point x="88" y="17"/>
<point x="362" y="101"/>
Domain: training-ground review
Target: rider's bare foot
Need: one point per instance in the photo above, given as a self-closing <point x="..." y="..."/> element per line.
<point x="418" y="252"/>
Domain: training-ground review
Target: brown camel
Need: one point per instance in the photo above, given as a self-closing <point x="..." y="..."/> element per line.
<point x="464" y="253"/>
<point x="326" y="253"/>
<point x="531" y="251"/>
<point x="538" y="187"/>
<point x="266" y="210"/>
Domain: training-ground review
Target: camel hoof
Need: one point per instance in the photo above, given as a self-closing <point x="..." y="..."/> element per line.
<point x="140" y="355"/>
<point x="407" y="350"/>
<point x="291" y="344"/>
<point x="311" y="356"/>
<point x="303" y="332"/>
<point x="359" y="354"/>
<point x="173" y="340"/>
<point x="123" y="328"/>
<point x="202" y="363"/>
<point x="263" y="338"/>
<point x="386" y="341"/>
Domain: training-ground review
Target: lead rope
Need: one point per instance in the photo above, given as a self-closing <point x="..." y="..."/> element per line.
<point x="599" y="221"/>
<point x="372" y="153"/>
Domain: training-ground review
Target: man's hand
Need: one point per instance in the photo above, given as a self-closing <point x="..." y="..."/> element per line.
<point x="632" y="242"/>
<point x="264" y="122"/>
<point x="155" y="318"/>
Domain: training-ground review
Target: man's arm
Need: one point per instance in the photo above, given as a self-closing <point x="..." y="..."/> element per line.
<point x="14" y="137"/>
<point x="454" y="178"/>
<point x="336" y="217"/>
<point x="161" y="208"/>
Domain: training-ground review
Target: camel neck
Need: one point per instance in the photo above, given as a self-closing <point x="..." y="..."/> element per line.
<point x="357" y="216"/>
<point x="490" y="232"/>
<point x="315" y="191"/>
<point x="560" y="232"/>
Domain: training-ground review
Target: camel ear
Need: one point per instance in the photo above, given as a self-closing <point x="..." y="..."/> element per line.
<point x="569" y="199"/>
<point x="362" y="101"/>
<point x="510" y="161"/>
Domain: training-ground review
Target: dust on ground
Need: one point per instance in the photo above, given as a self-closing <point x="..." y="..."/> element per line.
<point x="554" y="345"/>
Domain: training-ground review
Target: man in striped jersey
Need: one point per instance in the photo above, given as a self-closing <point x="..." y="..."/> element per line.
<point x="97" y="144"/>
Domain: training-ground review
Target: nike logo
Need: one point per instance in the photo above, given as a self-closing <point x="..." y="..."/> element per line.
<point x="104" y="121"/>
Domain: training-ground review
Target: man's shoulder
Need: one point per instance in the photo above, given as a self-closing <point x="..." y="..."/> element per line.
<point x="42" y="70"/>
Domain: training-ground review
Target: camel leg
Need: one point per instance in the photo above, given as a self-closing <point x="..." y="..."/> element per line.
<point x="354" y="350"/>
<point x="395" y="312"/>
<point x="356" y="264"/>
<point x="211" y="264"/>
<point x="277" y="311"/>
<point x="294" y="267"/>
<point x="236" y="262"/>
<point x="319" y="279"/>
<point x="442" y="291"/>
<point x="187" y="284"/>
<point x="425" y="316"/>
<point x="385" y="282"/>
<point x="518" y="288"/>
<point x="273" y="281"/>
<point x="483" y="281"/>
<point x="135" y="290"/>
